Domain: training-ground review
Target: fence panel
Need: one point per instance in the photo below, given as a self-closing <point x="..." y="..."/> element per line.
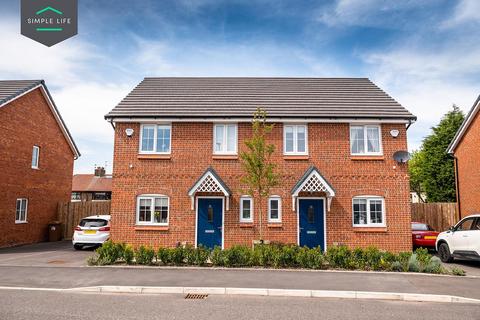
<point x="439" y="215"/>
<point x="70" y="213"/>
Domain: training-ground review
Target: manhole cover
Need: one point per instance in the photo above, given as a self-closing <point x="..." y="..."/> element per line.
<point x="196" y="296"/>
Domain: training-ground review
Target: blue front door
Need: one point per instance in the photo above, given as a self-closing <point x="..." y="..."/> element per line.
<point x="209" y="224"/>
<point x="311" y="223"/>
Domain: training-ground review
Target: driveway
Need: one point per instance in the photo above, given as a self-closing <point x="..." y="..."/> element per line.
<point x="51" y="254"/>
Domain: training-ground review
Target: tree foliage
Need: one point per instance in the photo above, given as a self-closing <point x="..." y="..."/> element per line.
<point x="259" y="170"/>
<point x="431" y="168"/>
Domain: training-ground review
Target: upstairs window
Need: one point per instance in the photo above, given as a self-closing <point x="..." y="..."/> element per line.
<point x="274" y="209"/>
<point x="295" y="139"/>
<point x="155" y="138"/>
<point x="368" y="212"/>
<point x="365" y="140"/>
<point x="246" y="209"/>
<point x="21" y="211"/>
<point x="152" y="210"/>
<point x="225" y="139"/>
<point x="35" y="157"/>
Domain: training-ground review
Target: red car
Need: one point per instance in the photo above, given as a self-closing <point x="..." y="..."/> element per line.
<point x="423" y="235"/>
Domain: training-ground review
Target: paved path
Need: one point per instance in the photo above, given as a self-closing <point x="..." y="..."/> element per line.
<point x="55" y="306"/>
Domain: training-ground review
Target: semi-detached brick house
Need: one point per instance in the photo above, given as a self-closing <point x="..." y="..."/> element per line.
<point x="36" y="161"/>
<point x="176" y="175"/>
<point x="465" y="148"/>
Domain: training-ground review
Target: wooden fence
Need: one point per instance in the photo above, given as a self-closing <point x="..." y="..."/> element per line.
<point x="439" y="215"/>
<point x="70" y="213"/>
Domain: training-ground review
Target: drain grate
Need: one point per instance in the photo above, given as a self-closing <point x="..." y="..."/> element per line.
<point x="196" y="296"/>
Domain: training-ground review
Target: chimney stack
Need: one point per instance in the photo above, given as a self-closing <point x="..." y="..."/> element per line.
<point x="99" y="171"/>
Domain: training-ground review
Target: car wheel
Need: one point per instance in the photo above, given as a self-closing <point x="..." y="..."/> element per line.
<point x="444" y="253"/>
<point x="77" y="247"/>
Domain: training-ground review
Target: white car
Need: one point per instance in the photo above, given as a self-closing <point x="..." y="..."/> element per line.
<point x="461" y="241"/>
<point x="93" y="230"/>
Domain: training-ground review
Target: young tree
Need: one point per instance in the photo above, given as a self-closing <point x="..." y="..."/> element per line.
<point x="432" y="167"/>
<point x="259" y="170"/>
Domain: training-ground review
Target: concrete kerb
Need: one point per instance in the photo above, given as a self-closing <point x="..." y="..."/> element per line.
<point x="418" y="297"/>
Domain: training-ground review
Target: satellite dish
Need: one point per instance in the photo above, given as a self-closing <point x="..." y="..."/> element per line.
<point x="401" y="156"/>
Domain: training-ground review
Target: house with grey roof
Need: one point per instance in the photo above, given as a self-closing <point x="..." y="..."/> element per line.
<point x="177" y="173"/>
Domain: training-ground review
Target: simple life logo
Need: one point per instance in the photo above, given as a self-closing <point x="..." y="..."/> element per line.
<point x="49" y="21"/>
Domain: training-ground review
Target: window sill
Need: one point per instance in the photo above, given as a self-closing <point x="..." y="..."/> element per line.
<point x="295" y="157"/>
<point x="151" y="228"/>
<point x="246" y="224"/>
<point x="367" y="157"/>
<point x="370" y="229"/>
<point x="21" y="222"/>
<point x="155" y="156"/>
<point x="225" y="157"/>
<point x="274" y="225"/>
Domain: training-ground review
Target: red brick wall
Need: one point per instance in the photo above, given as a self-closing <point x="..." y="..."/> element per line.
<point x="192" y="153"/>
<point x="468" y="159"/>
<point x="25" y="122"/>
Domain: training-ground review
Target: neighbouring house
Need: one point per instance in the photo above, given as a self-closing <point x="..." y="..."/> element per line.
<point x="36" y="161"/>
<point x="465" y="148"/>
<point x="88" y="187"/>
<point x="176" y="171"/>
<point x="415" y="197"/>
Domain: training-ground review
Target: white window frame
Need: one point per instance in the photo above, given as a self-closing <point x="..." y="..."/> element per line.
<point x="37" y="148"/>
<point x="295" y="139"/>
<point x="242" y="219"/>
<point x="151" y="197"/>
<point x="369" y="224"/>
<point x="225" y="138"/>
<point x="279" y="199"/>
<point x="26" y="210"/>
<point x="155" y="132"/>
<point x="365" y="139"/>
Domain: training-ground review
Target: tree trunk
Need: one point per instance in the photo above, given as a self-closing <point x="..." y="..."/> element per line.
<point x="260" y="217"/>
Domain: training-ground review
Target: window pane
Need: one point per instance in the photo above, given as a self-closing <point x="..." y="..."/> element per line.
<point x="161" y="210"/>
<point x="210" y="213"/>
<point x="273" y="209"/>
<point x="300" y="139"/>
<point x="466" y="225"/>
<point x="359" y="211"/>
<point x="289" y="139"/>
<point x="357" y="142"/>
<point x="373" y="139"/>
<point x="231" y="138"/>
<point x="246" y="203"/>
<point x="35" y="157"/>
<point x="163" y="139"/>
<point x="18" y="209"/>
<point x="375" y="211"/>
<point x="144" y="212"/>
<point x="311" y="214"/>
<point x="219" y="137"/>
<point x="148" y="133"/>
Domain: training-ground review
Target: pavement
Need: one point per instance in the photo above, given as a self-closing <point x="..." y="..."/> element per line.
<point x="22" y="305"/>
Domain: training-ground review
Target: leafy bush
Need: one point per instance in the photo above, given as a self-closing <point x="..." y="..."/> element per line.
<point x="413" y="263"/>
<point x="218" y="257"/>
<point x="340" y="257"/>
<point x="109" y="252"/>
<point x="144" y="255"/>
<point x="196" y="256"/>
<point x="434" y="266"/>
<point x="238" y="256"/>
<point x="456" y="271"/>
<point x="310" y="258"/>
<point x="128" y="254"/>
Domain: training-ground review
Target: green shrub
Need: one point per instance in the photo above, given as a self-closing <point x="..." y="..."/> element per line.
<point x="196" y="256"/>
<point x="285" y="256"/>
<point x="144" y="255"/>
<point x="403" y="258"/>
<point x="177" y="255"/>
<point x="218" y="257"/>
<point x="238" y="256"/>
<point x="456" y="271"/>
<point x="128" y="254"/>
<point x="164" y="255"/>
<point x="434" y="266"/>
<point x="109" y="252"/>
<point x="413" y="263"/>
<point x="340" y="257"/>
<point x="310" y="258"/>
<point x="263" y="255"/>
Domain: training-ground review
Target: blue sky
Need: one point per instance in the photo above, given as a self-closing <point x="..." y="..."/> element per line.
<point x="426" y="54"/>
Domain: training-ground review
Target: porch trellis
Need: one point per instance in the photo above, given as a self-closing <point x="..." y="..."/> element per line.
<point x="313" y="181"/>
<point x="210" y="182"/>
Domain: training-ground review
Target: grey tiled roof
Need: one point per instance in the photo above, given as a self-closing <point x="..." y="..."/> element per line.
<point x="10" y="89"/>
<point x="240" y="97"/>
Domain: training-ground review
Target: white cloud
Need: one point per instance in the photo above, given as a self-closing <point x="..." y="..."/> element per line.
<point x="466" y="11"/>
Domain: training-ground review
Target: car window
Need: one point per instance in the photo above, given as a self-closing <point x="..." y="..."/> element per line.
<point x="93" y="223"/>
<point x="477" y="225"/>
<point x="420" y="227"/>
<point x="465" y="225"/>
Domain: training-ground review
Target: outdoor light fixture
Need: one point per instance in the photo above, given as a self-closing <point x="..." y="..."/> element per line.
<point x="393" y="132"/>
<point x="129" y="132"/>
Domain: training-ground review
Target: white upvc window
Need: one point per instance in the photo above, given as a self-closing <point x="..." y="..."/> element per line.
<point x="365" y="140"/>
<point x="153" y="210"/>
<point x="295" y="139"/>
<point x="274" y="209"/>
<point x="35" y="157"/>
<point x="21" y="210"/>
<point x="225" y="138"/>
<point x="368" y="211"/>
<point x="155" y="138"/>
<point x="246" y="209"/>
